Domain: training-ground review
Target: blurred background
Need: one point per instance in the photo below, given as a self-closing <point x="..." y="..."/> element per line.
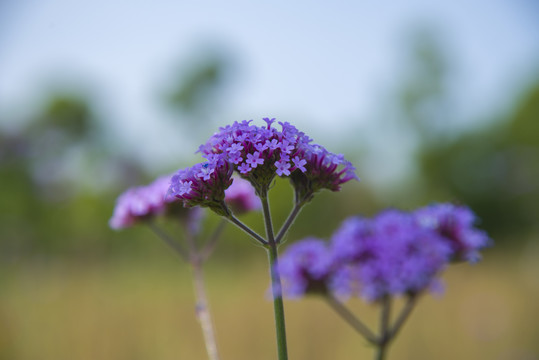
<point x="431" y="101"/>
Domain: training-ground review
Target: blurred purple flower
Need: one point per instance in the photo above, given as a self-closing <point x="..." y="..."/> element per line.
<point x="393" y="253"/>
<point x="389" y="254"/>
<point x="455" y="224"/>
<point x="141" y="203"/>
<point x="305" y="267"/>
<point x="241" y="197"/>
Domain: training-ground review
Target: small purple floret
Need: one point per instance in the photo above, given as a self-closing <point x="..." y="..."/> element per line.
<point x="282" y="168"/>
<point x="254" y="159"/>
<point x="300" y="163"/>
<point x="184" y="187"/>
<point x="244" y="168"/>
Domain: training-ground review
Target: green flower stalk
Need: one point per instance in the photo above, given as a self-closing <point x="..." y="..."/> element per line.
<point x="393" y="254"/>
<point x="258" y="155"/>
<point x="145" y="204"/>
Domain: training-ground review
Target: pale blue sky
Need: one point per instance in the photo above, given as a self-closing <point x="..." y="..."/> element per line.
<point x="316" y="64"/>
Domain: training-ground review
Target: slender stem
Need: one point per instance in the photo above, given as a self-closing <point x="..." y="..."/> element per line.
<point x="203" y="311"/>
<point x="267" y="220"/>
<point x="385" y="336"/>
<point x="278" y="306"/>
<point x="208" y="248"/>
<point x="289" y="220"/>
<point x="351" y="319"/>
<point x="191" y="245"/>
<point x="405" y="313"/>
<point x="247" y="229"/>
<point x="169" y="241"/>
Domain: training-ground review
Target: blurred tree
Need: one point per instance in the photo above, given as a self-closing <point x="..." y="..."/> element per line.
<point x="63" y="173"/>
<point x="494" y="170"/>
<point x="69" y="113"/>
<point x="64" y="123"/>
<point x="199" y="86"/>
<point x="44" y="169"/>
<point x="424" y="96"/>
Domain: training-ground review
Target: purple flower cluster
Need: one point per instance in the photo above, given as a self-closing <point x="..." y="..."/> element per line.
<point x="393" y="253"/>
<point x="390" y="254"/>
<point x="203" y="185"/>
<point x="146" y="202"/>
<point x="259" y="154"/>
<point x="142" y="203"/>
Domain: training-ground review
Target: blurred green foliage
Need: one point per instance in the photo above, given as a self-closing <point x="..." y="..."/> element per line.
<point x="47" y="213"/>
<point x="199" y="83"/>
<point x="46" y="209"/>
<point x="50" y="214"/>
<point x="423" y="94"/>
<point x="66" y="113"/>
<point x="494" y="170"/>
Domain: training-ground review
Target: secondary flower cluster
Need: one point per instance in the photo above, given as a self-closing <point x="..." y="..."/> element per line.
<point x="203" y="185"/>
<point x="258" y="154"/>
<point x="241" y="197"/>
<point x="393" y="253"/>
<point x="144" y="203"/>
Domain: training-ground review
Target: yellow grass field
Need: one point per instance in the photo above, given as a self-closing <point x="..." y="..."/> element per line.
<point x="130" y="310"/>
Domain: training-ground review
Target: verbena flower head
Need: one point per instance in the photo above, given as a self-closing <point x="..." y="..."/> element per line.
<point x="143" y="203"/>
<point x="455" y="224"/>
<point x="324" y="170"/>
<point x="241" y="197"/>
<point x="305" y="267"/>
<point x="390" y="254"/>
<point x="386" y="255"/>
<point x="259" y="153"/>
<point x="203" y="185"/>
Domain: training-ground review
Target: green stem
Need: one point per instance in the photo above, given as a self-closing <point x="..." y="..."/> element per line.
<point x="195" y="260"/>
<point x="403" y="316"/>
<point x="208" y="248"/>
<point x="278" y="306"/>
<point x="247" y="229"/>
<point x="203" y="312"/>
<point x="385" y="335"/>
<point x="169" y="241"/>
<point x="267" y="220"/>
<point x="351" y="319"/>
<point x="289" y="220"/>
